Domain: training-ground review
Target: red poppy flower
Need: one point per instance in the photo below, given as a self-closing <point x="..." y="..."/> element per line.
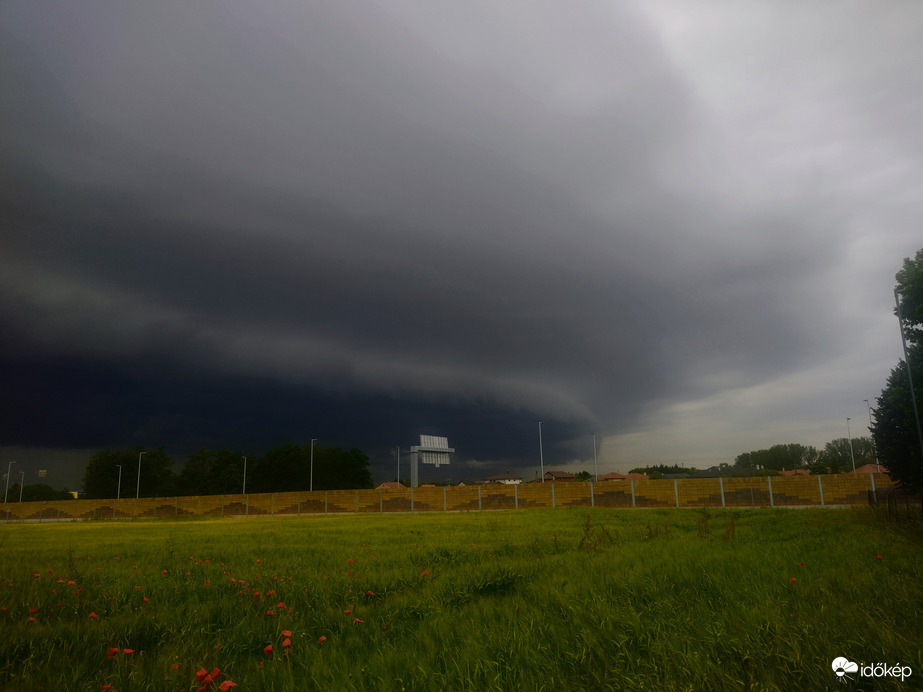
<point x="347" y="612"/>
<point x="94" y="616"/>
<point x="321" y="639"/>
<point x="174" y="666"/>
<point x="878" y="557"/>
<point x="287" y="643"/>
<point x="280" y="605"/>
<point x="33" y="611"/>
<point x="269" y="613"/>
<point x="226" y="685"/>
<point x="146" y="600"/>
<point x="792" y="580"/>
<point x="31" y="619"/>
<point x="286" y="633"/>
<point x="424" y="574"/>
<point x="128" y="652"/>
<point x="369" y="593"/>
<point x="349" y="562"/>
<point x="112" y="651"/>
<point x="358" y="621"/>
<point x="801" y="564"/>
<point x="268" y="650"/>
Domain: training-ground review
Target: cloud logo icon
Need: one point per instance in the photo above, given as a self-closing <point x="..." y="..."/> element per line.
<point x="842" y="665"/>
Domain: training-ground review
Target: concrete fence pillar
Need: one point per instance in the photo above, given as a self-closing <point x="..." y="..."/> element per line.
<point x="772" y="502"/>
<point x="592" y="499"/>
<point x="721" y="485"/>
<point x="632" y="494"/>
<point x="676" y="491"/>
<point x="820" y="486"/>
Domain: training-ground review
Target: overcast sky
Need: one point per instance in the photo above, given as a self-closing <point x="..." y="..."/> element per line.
<point x="237" y="224"/>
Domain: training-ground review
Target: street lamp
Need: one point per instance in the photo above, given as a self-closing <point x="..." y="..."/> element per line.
<point x="874" y="446"/>
<point x="595" y="463"/>
<point x="244" y="489"/>
<point x="849" y="436"/>
<point x="9" y="469"/>
<point x="313" y="440"/>
<point x="541" y="456"/>
<point x="118" y="492"/>
<point x="138" y="489"/>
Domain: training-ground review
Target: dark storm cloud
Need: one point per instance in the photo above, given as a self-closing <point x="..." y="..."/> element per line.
<point x="384" y="217"/>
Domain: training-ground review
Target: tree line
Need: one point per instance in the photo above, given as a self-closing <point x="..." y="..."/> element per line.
<point x="113" y="473"/>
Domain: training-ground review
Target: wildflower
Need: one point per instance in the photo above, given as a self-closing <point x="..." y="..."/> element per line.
<point x="321" y="639"/>
<point x="269" y="613"/>
<point x="146" y="600"/>
<point x="369" y="593"/>
<point x="226" y="685"/>
<point x="94" y="616"/>
<point x="878" y="557"/>
<point x="268" y="650"/>
<point x="287" y="643"/>
<point x="164" y="572"/>
<point x="111" y="651"/>
<point x="207" y="582"/>
<point x="792" y="580"/>
<point x="127" y="652"/>
<point x="31" y="620"/>
<point x="425" y="573"/>
<point x="286" y="633"/>
<point x="347" y="612"/>
<point x="174" y="666"/>
<point x="33" y="611"/>
<point x="358" y="621"/>
<point x="801" y="564"/>
<point x="280" y="605"/>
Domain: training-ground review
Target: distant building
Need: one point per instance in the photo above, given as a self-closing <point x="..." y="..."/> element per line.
<point x="871" y="468"/>
<point x="559" y="476"/>
<point x="504" y="478"/>
<point x="636" y="477"/>
<point x="613" y="476"/>
<point x="390" y="485"/>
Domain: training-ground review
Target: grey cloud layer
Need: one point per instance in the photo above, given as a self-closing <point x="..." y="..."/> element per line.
<point x="526" y="205"/>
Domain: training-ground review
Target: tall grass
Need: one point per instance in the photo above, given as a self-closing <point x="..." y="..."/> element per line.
<point x="528" y="600"/>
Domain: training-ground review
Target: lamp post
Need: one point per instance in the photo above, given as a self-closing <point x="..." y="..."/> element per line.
<point x="22" y="479"/>
<point x="9" y="470"/>
<point x="874" y="446"/>
<point x="138" y="489"/>
<point x="851" y="455"/>
<point x="541" y="456"/>
<point x="243" y="490"/>
<point x="313" y="440"/>
<point x="595" y="463"/>
<point x="913" y="396"/>
<point x="118" y="492"/>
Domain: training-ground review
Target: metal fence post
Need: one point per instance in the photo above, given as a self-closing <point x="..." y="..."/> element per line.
<point x="676" y="492"/>
<point x="516" y="495"/>
<point x="272" y="504"/>
<point x="820" y="486"/>
<point x="479" y="498"/>
<point x="411" y="498"/>
<point x="592" y="499"/>
<point x="247" y="510"/>
<point x="721" y="483"/>
<point x="874" y="489"/>
<point x="772" y="501"/>
<point x="445" y="504"/>
<point x="325" y="502"/>
<point x="632" y="494"/>
<point x="552" y="494"/>
<point x="381" y="500"/>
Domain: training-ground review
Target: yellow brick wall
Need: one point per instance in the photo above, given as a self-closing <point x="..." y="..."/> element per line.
<point x="699" y="492"/>
<point x="612" y="494"/>
<point x="738" y="492"/>
<point x="657" y="493"/>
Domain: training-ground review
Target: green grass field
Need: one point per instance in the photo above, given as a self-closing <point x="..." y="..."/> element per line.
<point x="529" y="600"/>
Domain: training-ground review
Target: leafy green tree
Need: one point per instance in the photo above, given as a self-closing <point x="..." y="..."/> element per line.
<point x="289" y="468"/>
<point x="583" y="476"/>
<point x="836" y="457"/>
<point x="781" y="457"/>
<point x="212" y="473"/>
<point x="895" y="427"/>
<point x="101" y="478"/>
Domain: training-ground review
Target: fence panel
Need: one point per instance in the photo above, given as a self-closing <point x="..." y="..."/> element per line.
<point x="341" y="501"/>
<point x="659" y="493"/>
<point x="572" y="494"/>
<point x="463" y="499"/>
<point x="613" y="494"/>
<point x="699" y="492"/>
<point x="498" y="496"/>
<point x="533" y="495"/>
